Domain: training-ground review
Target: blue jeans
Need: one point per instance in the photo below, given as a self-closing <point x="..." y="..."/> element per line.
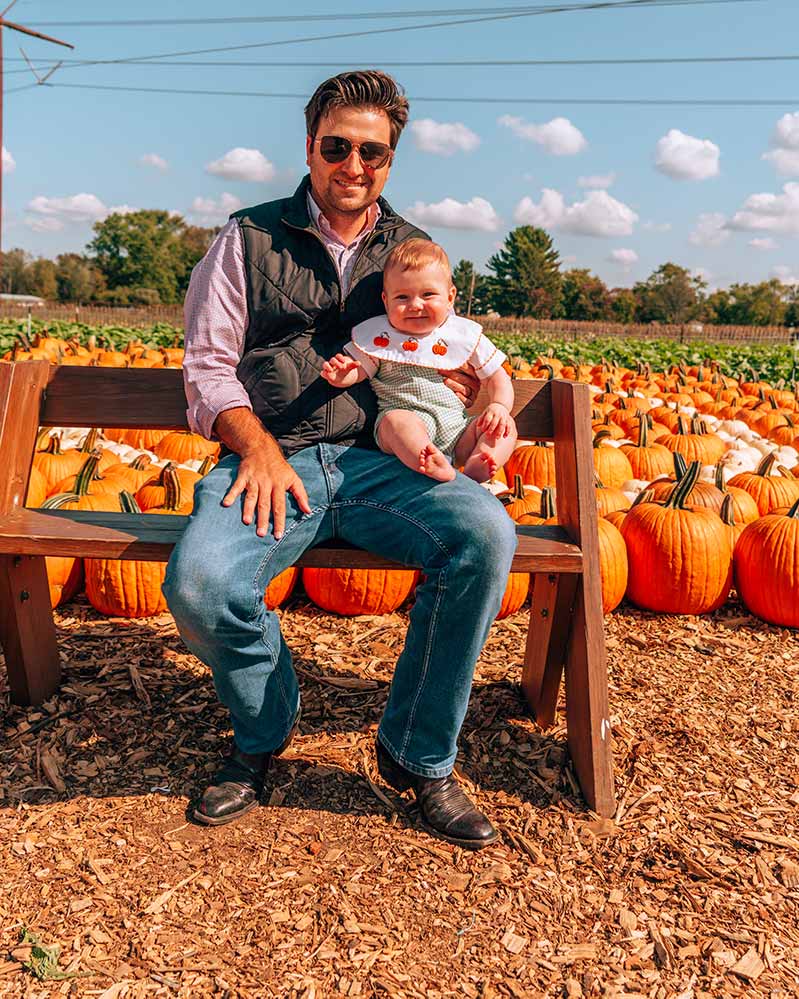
<point x="455" y="532"/>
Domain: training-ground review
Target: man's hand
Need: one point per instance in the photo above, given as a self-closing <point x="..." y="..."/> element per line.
<point x="341" y="371"/>
<point x="464" y="383"/>
<point x="265" y="477"/>
<point x="495" y="420"/>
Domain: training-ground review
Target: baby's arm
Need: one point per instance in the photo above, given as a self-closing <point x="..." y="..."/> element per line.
<point x="342" y="371"/>
<point x="495" y="418"/>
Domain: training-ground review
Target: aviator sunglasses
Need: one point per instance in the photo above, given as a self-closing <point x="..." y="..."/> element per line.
<point x="336" y="149"/>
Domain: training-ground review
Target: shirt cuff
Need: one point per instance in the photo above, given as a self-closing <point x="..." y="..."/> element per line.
<point x="202" y="417"/>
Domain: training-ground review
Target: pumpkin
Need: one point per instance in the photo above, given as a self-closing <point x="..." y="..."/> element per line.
<point x="608" y="499"/>
<point x="534" y="462"/>
<point x="694" y="446"/>
<point x="610" y="463"/>
<point x="125" y="587"/>
<point x="89" y="480"/>
<point x="612" y="565"/>
<point x="546" y="514"/>
<point x="64" y="578"/>
<point x="144" y="439"/>
<point x="680" y="560"/>
<point x="182" y="445"/>
<point x="359" y="591"/>
<point x="37" y="488"/>
<point x="519" y="501"/>
<point x="281" y="586"/>
<point x="515" y="594"/>
<point x="767" y="490"/>
<point x="56" y="464"/>
<point x="767" y="567"/>
<point x="648" y="460"/>
<point x="165" y="494"/>
<point x="744" y="507"/>
<point x="134" y="474"/>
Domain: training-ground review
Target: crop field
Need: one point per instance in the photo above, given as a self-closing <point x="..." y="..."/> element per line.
<point x="771" y="361"/>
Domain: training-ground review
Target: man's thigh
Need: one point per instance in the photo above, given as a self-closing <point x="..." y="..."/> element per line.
<point x="217" y="544"/>
<point x="382" y="506"/>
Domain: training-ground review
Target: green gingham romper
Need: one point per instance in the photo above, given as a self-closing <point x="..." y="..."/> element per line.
<point x="419" y="388"/>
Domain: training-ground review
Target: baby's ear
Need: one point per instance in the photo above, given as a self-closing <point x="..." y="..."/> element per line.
<point x="385" y="300"/>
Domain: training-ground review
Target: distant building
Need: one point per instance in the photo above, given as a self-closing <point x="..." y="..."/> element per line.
<point x="22" y="299"/>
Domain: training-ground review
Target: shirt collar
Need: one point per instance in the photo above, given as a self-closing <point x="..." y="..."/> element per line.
<point x="319" y="219"/>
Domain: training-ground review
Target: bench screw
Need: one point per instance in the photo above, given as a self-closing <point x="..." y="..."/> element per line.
<point x="17" y="561"/>
<point x="24" y="595"/>
<point x="544" y="612"/>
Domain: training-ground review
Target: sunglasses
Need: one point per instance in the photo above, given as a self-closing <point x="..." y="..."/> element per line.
<point x="336" y="149"/>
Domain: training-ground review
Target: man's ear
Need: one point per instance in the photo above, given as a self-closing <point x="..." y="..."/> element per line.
<point x="308" y="145"/>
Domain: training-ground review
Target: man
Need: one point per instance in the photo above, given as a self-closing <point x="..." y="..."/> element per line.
<point x="277" y="295"/>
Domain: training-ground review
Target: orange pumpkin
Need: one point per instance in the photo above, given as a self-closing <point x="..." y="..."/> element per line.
<point x="515" y="594"/>
<point x="680" y="560"/>
<point x="610" y="463"/>
<point x="64" y="577"/>
<point x="278" y="591"/>
<point x="534" y="462"/>
<point x="648" y="460"/>
<point x="612" y="565"/>
<point x="182" y="445"/>
<point x="359" y="591"/>
<point x="37" y="488"/>
<point x="767" y="567"/>
<point x="769" y="491"/>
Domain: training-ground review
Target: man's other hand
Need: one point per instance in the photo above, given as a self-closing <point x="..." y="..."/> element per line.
<point x="463" y="382"/>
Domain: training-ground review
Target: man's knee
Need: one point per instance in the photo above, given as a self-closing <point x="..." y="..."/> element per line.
<point x="486" y="539"/>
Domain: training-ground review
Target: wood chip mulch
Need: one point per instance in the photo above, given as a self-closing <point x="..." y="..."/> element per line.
<point x="690" y="892"/>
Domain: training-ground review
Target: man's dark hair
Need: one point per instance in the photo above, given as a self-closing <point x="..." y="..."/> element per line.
<point x="363" y="88"/>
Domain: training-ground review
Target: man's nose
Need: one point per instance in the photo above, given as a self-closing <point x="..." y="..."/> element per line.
<point x="353" y="164"/>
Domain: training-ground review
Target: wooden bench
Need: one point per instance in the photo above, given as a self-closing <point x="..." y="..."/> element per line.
<point x="565" y="630"/>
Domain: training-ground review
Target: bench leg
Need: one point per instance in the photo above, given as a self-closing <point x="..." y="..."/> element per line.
<point x="587" y="711"/>
<point x="27" y="630"/>
<point x="547" y="635"/>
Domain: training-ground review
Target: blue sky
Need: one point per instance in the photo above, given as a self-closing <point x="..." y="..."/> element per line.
<point x="621" y="189"/>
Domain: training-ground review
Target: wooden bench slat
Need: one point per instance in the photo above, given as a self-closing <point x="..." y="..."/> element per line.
<point x="95" y="534"/>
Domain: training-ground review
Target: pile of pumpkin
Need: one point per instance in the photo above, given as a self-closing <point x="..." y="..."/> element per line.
<point x="696" y="489"/>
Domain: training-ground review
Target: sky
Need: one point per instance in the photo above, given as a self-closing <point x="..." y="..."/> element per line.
<point x="621" y="188"/>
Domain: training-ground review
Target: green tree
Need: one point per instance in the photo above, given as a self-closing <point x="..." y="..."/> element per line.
<point x="526" y="275"/>
<point x="148" y="249"/>
<point x="472" y="287"/>
<point x="763" y="304"/>
<point x="41" y="279"/>
<point x="77" y="278"/>
<point x="14" y="266"/>
<point x="585" y="296"/>
<point x="671" y="294"/>
<point x="623" y="305"/>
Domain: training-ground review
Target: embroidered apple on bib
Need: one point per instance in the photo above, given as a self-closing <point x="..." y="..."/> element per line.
<point x="410" y="344"/>
<point x="381" y="340"/>
<point x="440" y="347"/>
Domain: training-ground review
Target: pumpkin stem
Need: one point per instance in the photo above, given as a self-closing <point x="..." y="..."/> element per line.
<point x="764" y="468"/>
<point x="680" y="465"/>
<point x="141" y="461"/>
<point x="548" y="509"/>
<point x="643" y="430"/>
<point x="679" y="494"/>
<point x="727" y="513"/>
<point x="206" y="465"/>
<point x="58" y="500"/>
<point x="89" y="443"/>
<point x="601" y="435"/>
<point x="718" y="478"/>
<point x="127" y="502"/>
<point x="87" y="473"/>
<point x="793" y="513"/>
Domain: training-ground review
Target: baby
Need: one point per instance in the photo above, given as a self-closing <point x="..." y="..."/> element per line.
<point x="419" y="419"/>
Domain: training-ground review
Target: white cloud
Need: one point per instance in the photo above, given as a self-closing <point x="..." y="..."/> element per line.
<point x="626" y="258"/>
<point x="212" y="212"/>
<point x="558" y="136"/>
<point x="763" y="244"/>
<point x="657" y="226"/>
<point x="154" y="160"/>
<point x="443" y="138"/>
<point x="770" y="212"/>
<point x="243" y="164"/>
<point x="76" y="208"/>
<point x="785" y="274"/>
<point x="711" y="230"/>
<point x="9" y="163"/>
<point x="684" y="157"/>
<point x="451" y="214"/>
<point x="597" y="181"/>
<point x="598" y="215"/>
<point x="785" y="142"/>
<point x="44" y="223"/>
<point x="122" y="210"/>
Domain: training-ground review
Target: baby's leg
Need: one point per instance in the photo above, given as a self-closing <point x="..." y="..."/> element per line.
<point x="482" y="454"/>
<point x="403" y="434"/>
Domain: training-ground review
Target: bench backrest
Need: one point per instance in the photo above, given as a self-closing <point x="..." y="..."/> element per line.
<point x="35" y="393"/>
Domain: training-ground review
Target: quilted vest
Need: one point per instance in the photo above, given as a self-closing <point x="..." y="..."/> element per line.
<point x="298" y="318"/>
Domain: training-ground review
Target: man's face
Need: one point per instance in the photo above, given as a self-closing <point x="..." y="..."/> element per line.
<point x="350" y="187"/>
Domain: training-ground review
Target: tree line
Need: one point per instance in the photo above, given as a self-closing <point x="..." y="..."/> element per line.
<point x="146" y="258"/>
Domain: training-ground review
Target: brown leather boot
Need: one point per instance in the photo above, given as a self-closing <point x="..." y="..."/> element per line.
<point x="446" y="810"/>
<point x="237" y="787"/>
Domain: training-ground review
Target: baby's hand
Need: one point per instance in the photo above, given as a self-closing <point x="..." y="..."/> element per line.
<point x="336" y="370"/>
<point x="495" y="421"/>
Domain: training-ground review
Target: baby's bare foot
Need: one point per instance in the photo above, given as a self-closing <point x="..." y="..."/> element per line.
<point x="481" y="466"/>
<point x="433" y="463"/>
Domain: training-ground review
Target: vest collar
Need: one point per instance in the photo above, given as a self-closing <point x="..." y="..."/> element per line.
<point x="296" y="213"/>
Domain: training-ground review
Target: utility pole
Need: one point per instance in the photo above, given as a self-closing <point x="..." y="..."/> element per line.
<point x="34" y="34"/>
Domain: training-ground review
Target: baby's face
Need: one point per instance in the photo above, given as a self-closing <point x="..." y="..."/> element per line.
<point x="418" y="301"/>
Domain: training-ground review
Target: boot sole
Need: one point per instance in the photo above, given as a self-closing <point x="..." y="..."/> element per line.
<point x="222" y="820"/>
<point x="466" y="844"/>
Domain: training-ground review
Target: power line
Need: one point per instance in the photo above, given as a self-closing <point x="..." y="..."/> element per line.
<point x="710" y="102"/>
<point x="292" y="18"/>
<point x="451" y="63"/>
<point x="527" y="12"/>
